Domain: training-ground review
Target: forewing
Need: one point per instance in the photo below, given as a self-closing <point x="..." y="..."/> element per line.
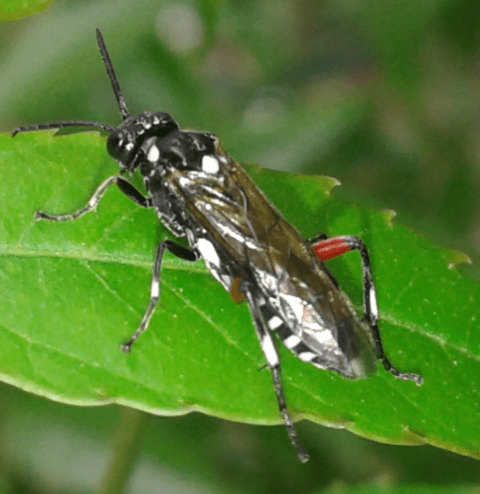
<point x="292" y="279"/>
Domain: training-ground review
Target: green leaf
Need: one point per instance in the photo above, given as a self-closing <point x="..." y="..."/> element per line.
<point x="409" y="488"/>
<point x="73" y="291"/>
<point x="13" y="9"/>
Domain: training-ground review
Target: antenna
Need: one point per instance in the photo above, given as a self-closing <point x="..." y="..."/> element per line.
<point x="87" y="123"/>
<point x="60" y="125"/>
<point x="111" y="75"/>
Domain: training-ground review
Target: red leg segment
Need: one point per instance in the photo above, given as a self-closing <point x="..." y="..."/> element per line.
<point x="331" y="247"/>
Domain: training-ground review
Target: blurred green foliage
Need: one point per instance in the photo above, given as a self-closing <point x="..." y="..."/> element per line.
<point x="384" y="96"/>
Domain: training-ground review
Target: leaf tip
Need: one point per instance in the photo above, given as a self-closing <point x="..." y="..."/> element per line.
<point x="389" y="216"/>
<point x="329" y="183"/>
<point x="456" y="257"/>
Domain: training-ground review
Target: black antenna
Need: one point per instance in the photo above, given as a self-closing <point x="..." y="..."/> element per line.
<point x="111" y="75"/>
<point x="87" y="123"/>
<point x="60" y="125"/>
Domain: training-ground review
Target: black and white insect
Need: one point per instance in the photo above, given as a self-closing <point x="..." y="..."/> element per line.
<point x="199" y="192"/>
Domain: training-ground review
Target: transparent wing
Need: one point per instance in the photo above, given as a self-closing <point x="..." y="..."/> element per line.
<point x="272" y="256"/>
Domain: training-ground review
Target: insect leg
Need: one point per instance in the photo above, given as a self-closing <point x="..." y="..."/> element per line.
<point x="317" y="238"/>
<point x="273" y="361"/>
<point x="177" y="250"/>
<point x="124" y="185"/>
<point x="132" y="193"/>
<point x="336" y="246"/>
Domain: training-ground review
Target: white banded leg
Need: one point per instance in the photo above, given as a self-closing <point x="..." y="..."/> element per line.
<point x="273" y="361"/>
<point x="371" y="308"/>
<point x="327" y="248"/>
<point x="177" y="250"/>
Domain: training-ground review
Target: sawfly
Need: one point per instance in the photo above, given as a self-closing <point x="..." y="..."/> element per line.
<point x="200" y="192"/>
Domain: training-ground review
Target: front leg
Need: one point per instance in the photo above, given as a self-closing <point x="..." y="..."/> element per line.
<point x="124" y="185"/>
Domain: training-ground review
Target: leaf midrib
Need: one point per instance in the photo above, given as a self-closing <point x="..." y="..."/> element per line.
<point x="88" y="255"/>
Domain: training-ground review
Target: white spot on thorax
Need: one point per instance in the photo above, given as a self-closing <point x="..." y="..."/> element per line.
<point x="210" y="165"/>
<point x="153" y="154"/>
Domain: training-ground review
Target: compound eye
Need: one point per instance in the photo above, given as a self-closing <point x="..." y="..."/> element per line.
<point x="210" y="165"/>
<point x="115" y="145"/>
<point x="121" y="147"/>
